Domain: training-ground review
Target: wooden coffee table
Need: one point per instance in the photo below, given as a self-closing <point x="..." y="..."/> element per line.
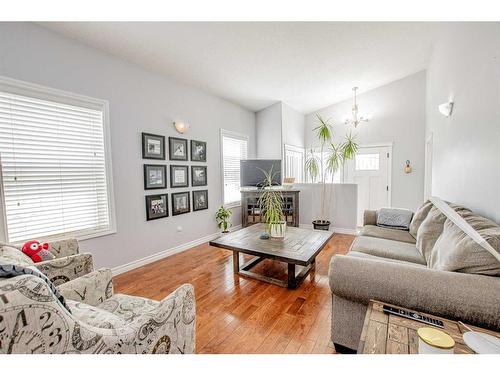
<point x="299" y="248"/>
<point x="391" y="334"/>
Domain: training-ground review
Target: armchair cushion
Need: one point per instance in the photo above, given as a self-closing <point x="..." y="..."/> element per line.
<point x="92" y="289"/>
<point x="95" y="316"/>
<point x="62" y="270"/>
<point x="128" y="307"/>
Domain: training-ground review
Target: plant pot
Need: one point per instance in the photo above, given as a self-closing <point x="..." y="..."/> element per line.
<point x="277" y="230"/>
<point x="321" y="224"/>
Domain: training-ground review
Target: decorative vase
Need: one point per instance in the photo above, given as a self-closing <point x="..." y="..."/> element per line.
<point x="277" y="230"/>
<point x="321" y="224"/>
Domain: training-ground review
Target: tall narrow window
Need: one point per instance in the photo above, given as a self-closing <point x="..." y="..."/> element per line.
<point x="54" y="164"/>
<point x="234" y="148"/>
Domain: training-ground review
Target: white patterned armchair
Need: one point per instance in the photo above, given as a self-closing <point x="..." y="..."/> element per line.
<point x="67" y="264"/>
<point x="83" y="315"/>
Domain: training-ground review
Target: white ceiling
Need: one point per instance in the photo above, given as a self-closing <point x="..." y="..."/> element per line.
<point x="304" y="64"/>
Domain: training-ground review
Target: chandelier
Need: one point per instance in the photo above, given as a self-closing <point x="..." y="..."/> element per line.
<point x="355" y="120"/>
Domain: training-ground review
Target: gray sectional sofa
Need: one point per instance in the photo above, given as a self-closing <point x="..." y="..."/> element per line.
<point x="433" y="267"/>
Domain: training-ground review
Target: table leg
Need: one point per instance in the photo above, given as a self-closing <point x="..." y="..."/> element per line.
<point x="236" y="262"/>
<point x="292" y="282"/>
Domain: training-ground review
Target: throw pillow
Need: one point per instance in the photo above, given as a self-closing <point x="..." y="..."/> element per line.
<point x="419" y="217"/>
<point x="431" y="228"/>
<point x="457" y="251"/>
<point x="12" y="255"/>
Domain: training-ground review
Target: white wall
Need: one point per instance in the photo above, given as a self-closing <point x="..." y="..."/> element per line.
<point x="138" y="101"/>
<point x="343" y="207"/>
<point x="268" y="123"/>
<point x="293" y="126"/>
<point x="465" y="67"/>
<point x="398" y="116"/>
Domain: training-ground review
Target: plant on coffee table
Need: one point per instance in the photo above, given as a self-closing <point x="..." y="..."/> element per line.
<point x="271" y="205"/>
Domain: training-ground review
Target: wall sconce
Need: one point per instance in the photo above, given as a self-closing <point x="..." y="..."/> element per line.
<point x="181" y="127"/>
<point x="408" y="167"/>
<point x="446" y="109"/>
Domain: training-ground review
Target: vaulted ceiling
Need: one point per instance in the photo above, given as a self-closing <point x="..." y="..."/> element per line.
<point x="307" y="65"/>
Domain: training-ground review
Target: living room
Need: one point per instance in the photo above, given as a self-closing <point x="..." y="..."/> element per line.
<point x="167" y="187"/>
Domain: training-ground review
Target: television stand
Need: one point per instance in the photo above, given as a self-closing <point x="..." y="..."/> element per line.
<point x="250" y="206"/>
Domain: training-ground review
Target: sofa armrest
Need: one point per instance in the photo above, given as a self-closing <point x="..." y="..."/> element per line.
<point x="62" y="270"/>
<point x="370" y="217"/>
<point x="93" y="288"/>
<point x="471" y="298"/>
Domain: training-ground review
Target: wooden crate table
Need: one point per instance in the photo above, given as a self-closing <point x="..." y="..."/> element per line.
<point x="390" y="334"/>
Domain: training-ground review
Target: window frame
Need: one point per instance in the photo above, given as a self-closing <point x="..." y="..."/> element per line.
<point x="235" y="135"/>
<point x="307" y="177"/>
<point x="18" y="87"/>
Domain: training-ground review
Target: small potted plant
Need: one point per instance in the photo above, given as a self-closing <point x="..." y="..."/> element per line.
<point x="271" y="205"/>
<point x="222" y="217"/>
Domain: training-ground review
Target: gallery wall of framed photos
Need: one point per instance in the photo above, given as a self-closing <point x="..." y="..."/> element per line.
<point x="181" y="175"/>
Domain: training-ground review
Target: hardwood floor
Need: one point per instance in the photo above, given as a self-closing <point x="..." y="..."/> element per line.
<point x="239" y="315"/>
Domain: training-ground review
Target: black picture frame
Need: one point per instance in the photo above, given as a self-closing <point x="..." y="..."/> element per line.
<point x="149" y="177"/>
<point x="198" y="151"/>
<point x="174" y="145"/>
<point x="173" y="169"/>
<point x="150" y="143"/>
<point x="199" y="175"/>
<point x="152" y="206"/>
<point x="176" y="197"/>
<point x="198" y="204"/>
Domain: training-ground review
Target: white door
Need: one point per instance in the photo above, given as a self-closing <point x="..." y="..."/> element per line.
<point x="370" y="170"/>
<point x="294" y="163"/>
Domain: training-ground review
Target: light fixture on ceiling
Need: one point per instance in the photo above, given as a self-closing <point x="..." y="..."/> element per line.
<point x="446" y="109"/>
<point x="181" y="127"/>
<point x="356" y="119"/>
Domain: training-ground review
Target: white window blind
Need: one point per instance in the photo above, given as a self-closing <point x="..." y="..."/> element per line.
<point x="53" y="164"/>
<point x="234" y="148"/>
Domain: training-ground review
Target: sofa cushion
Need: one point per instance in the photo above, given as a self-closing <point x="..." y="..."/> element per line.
<point x="387" y="233"/>
<point x="387" y="249"/>
<point x="373" y="257"/>
<point x="419" y="217"/>
<point x="12" y="255"/>
<point x="431" y="228"/>
<point x="456" y="251"/>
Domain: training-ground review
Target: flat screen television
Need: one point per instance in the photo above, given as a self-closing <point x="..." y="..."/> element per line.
<point x="251" y="171"/>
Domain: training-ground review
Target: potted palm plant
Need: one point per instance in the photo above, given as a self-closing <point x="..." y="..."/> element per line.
<point x="271" y="206"/>
<point x="222" y="217"/>
<point x="332" y="157"/>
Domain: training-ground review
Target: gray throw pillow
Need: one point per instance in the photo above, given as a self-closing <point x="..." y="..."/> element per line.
<point x="456" y="251"/>
<point x="431" y="228"/>
<point x="419" y="217"/>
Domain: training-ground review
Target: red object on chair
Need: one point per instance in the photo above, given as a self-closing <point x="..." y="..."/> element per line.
<point x="37" y="251"/>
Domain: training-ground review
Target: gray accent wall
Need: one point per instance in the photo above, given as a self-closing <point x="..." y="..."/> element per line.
<point x="139" y="101"/>
<point x="465" y="68"/>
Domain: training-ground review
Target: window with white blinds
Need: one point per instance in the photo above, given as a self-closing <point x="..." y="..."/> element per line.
<point x="54" y="166"/>
<point x="234" y="147"/>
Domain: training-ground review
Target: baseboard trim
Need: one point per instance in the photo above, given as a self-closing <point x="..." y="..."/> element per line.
<point x="334" y="229"/>
<point x="166" y="253"/>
